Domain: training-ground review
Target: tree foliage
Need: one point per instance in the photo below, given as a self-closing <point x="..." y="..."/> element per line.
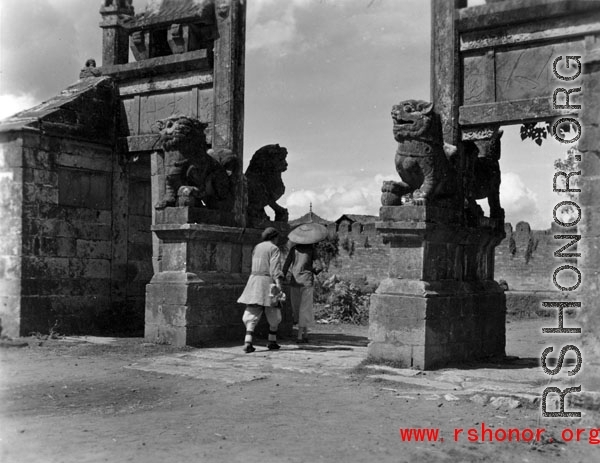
<point x="538" y="132"/>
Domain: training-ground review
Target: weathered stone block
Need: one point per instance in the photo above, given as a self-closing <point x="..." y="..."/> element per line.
<point x="86" y="189"/>
<point x="393" y="311"/>
<point x="40" y="176"/>
<point x="46" y="246"/>
<point x="139" y="251"/>
<point x="418" y="214"/>
<point x="10" y="313"/>
<point x="64" y="286"/>
<point x="89" y="268"/>
<point x="92" y="231"/>
<point x="590" y="191"/>
<point x="174" y="257"/>
<point x="10" y="287"/>
<point x="11" y="153"/>
<point x="11" y="244"/>
<point x="207" y="312"/>
<point x="91" y="161"/>
<point x="401" y="355"/>
<point x="45" y="267"/>
<point x="37" y="159"/>
<point x="34" y="193"/>
<point x="94" y="249"/>
<point x="173" y="215"/>
<point x="406" y="262"/>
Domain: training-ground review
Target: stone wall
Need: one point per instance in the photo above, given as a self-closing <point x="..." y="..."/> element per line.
<point x="362" y="252"/>
<point x="66" y="253"/>
<point x="139" y="269"/>
<point x="77" y="252"/>
<point x="11" y="226"/>
<point x="524" y="259"/>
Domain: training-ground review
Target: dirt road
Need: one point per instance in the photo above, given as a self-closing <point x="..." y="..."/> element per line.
<point x="84" y="402"/>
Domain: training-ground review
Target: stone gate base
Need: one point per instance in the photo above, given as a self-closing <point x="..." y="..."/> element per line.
<point x="428" y="325"/>
<point x="440" y="304"/>
<point x="203" y="269"/>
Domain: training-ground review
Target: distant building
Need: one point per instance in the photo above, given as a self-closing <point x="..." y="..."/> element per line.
<point x="310" y="216"/>
<point x="347" y="221"/>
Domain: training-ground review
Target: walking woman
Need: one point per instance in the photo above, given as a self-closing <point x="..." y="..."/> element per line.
<point x="303" y="263"/>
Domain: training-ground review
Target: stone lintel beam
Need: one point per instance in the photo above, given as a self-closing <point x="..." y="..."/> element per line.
<point x="203" y="232"/>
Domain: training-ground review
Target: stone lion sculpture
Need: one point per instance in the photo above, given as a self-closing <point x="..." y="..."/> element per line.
<point x="483" y="157"/>
<point x="265" y="185"/>
<point x="421" y="159"/>
<point x="192" y="176"/>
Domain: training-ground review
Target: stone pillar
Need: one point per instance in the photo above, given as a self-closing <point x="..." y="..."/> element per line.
<point x="439" y="303"/>
<point x="589" y="226"/>
<point x="446" y="85"/>
<point x="202" y="262"/>
<point x="229" y="52"/>
<point x="115" y="39"/>
<point x="202" y="271"/>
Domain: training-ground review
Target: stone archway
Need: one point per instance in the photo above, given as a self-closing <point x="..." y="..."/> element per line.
<point x="492" y="64"/>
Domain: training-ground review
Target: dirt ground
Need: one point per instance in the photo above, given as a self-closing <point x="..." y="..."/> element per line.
<point x="80" y="402"/>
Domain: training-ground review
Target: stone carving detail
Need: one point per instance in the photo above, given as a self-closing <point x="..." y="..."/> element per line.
<point x="265" y="185"/>
<point x="90" y="69"/>
<point x="421" y="160"/>
<point x="482" y="158"/>
<point x="223" y="8"/>
<point x="478" y="134"/>
<point x="122" y="4"/>
<point x="118" y="6"/>
<point x="192" y="176"/>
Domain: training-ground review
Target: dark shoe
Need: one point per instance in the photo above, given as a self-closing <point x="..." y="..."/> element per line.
<point x="249" y="348"/>
<point x="302" y="341"/>
<point x="273" y="346"/>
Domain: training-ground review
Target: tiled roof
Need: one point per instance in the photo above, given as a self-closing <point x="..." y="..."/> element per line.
<point x="31" y="117"/>
<point x="169" y="11"/>
<point x="309" y="217"/>
<point x="358" y="218"/>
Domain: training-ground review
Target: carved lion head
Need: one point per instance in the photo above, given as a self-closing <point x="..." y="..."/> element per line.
<point x="181" y="133"/>
<point x="414" y="119"/>
<point x="270" y="159"/>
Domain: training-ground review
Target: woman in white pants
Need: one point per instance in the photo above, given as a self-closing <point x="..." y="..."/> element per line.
<point x="303" y="263"/>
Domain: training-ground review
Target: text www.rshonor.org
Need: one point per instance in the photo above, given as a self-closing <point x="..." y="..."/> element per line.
<point x="484" y="433"/>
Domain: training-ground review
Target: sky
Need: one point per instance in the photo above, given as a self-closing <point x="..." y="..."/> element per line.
<point x="321" y="78"/>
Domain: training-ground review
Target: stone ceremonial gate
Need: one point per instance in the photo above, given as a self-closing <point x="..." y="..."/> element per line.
<point x="89" y="245"/>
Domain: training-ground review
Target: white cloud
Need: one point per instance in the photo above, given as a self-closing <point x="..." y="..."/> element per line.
<point x="519" y="202"/>
<point x="271" y="24"/>
<point x="12" y="104"/>
<point x="352" y="197"/>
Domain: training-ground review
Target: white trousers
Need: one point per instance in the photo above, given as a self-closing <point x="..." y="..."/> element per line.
<point x="253" y="313"/>
<point x="301" y="298"/>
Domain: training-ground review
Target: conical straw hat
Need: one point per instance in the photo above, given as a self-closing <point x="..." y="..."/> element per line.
<point x="308" y="233"/>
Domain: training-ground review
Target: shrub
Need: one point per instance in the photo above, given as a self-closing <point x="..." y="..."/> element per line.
<point x="342" y="301"/>
<point x="328" y="249"/>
